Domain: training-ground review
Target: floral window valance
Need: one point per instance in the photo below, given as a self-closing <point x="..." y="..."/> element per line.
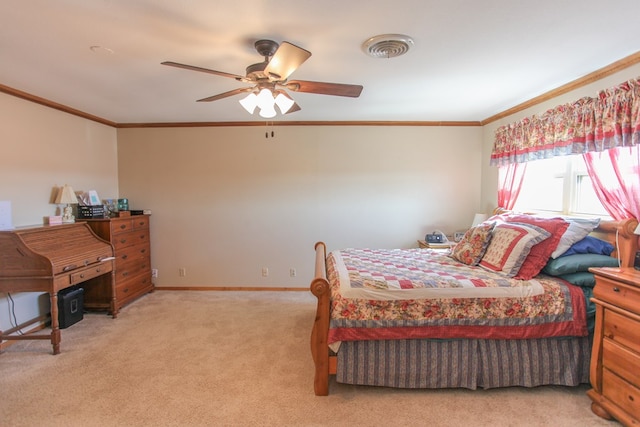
<point x="588" y="125"/>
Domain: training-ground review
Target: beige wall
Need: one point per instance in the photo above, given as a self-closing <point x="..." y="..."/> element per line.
<point x="41" y="149"/>
<point x="227" y="202"/>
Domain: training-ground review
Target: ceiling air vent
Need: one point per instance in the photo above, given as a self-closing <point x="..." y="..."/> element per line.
<point x="387" y="45"/>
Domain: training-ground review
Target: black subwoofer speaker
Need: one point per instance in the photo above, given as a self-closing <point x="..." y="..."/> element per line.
<point x="70" y="306"/>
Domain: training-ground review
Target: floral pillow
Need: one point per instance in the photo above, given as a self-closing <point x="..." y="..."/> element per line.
<point x="509" y="246"/>
<point x="473" y="245"/>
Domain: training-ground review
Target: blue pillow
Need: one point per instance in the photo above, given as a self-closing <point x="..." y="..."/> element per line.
<point x="590" y="245"/>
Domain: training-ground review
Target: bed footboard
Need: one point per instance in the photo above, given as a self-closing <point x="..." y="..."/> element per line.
<point x="320" y="332"/>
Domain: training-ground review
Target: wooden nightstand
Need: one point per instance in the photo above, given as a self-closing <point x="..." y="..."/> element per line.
<point x="615" y="359"/>
<point x="422" y="244"/>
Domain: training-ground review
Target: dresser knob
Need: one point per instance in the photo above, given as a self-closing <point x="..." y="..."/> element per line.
<point x="616" y="289"/>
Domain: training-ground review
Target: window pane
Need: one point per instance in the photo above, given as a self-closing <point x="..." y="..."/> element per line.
<point x="542" y="187"/>
<point x="586" y="200"/>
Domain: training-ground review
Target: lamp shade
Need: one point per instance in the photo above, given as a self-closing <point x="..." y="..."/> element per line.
<point x="637" y="230"/>
<point x="284" y="102"/>
<point x="478" y="218"/>
<point x="250" y="102"/>
<point x="66" y="195"/>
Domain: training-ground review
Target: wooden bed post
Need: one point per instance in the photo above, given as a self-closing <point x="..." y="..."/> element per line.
<point x="620" y="235"/>
<point x="320" y="332"/>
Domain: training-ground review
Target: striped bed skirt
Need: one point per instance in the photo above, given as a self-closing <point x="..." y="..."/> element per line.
<point x="465" y="363"/>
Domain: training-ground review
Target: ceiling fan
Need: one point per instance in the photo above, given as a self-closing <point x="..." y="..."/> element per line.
<point x="269" y="80"/>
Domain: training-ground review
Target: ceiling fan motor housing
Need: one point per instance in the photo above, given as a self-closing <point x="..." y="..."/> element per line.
<point x="266" y="48"/>
<point x="256" y="71"/>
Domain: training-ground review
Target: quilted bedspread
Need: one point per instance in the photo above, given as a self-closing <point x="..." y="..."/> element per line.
<point x="418" y="293"/>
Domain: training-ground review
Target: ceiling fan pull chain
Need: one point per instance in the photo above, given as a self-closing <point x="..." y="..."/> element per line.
<point x="266" y="134"/>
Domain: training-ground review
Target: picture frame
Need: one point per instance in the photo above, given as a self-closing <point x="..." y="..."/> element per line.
<point x="94" y="200"/>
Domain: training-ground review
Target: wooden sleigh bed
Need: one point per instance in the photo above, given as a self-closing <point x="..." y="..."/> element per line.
<point x="397" y="328"/>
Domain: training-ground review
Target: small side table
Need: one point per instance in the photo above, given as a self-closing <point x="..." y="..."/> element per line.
<point x="422" y="244"/>
<point x="615" y="358"/>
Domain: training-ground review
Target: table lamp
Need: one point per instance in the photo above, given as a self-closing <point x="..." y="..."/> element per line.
<point x="67" y="196"/>
<point x="478" y="218"/>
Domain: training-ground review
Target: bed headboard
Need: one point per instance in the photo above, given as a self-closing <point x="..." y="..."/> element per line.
<point x="617" y="232"/>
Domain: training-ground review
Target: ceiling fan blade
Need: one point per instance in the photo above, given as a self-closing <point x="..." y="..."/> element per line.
<point x="337" y="89"/>
<point x="295" y="107"/>
<point x="287" y="58"/>
<point x="226" y="94"/>
<point x="205" y="70"/>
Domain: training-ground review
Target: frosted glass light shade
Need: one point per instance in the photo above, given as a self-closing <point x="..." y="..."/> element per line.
<point x="284" y="102"/>
<point x="266" y="103"/>
<point x="250" y="102"/>
<point x="268" y="111"/>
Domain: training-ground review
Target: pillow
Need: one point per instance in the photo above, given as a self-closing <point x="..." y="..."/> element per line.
<point x="541" y="252"/>
<point x="509" y="246"/>
<point x="590" y="245"/>
<point x="578" y="229"/>
<point x="473" y="245"/>
<point x="581" y="278"/>
<point x="578" y="262"/>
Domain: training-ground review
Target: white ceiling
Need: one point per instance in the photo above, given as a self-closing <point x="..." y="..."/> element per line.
<point x="471" y="60"/>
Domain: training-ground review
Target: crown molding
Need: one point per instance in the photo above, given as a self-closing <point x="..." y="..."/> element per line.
<point x="575" y="84"/>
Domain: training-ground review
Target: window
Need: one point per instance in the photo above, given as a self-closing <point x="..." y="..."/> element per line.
<point x="559" y="186"/>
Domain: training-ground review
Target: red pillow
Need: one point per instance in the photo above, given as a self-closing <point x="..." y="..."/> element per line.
<point x="540" y="253"/>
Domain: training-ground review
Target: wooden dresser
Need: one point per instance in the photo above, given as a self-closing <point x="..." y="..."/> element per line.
<point x="615" y="360"/>
<point x="131" y="241"/>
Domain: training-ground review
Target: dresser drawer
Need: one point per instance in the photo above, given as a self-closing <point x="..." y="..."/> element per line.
<point x="134" y="252"/>
<point x="121" y="226"/>
<point x="133" y="287"/>
<point x="130" y="238"/>
<point x="622" y="330"/>
<point x="624" y="394"/>
<point x="621" y="361"/>
<point x="617" y="293"/>
<point x="132" y="268"/>
<point x="140" y="221"/>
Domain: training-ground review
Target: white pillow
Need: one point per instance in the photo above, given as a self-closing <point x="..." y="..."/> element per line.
<point x="578" y="229"/>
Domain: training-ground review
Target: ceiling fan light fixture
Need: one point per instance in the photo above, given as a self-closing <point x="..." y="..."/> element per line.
<point x="249" y="102"/>
<point x="266" y="103"/>
<point x="387" y="45"/>
<point x="284" y="102"/>
<point x="268" y="112"/>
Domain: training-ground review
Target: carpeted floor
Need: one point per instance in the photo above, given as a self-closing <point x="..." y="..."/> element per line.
<point x="189" y="358"/>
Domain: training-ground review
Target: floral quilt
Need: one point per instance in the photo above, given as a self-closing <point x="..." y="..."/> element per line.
<point x="558" y="309"/>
